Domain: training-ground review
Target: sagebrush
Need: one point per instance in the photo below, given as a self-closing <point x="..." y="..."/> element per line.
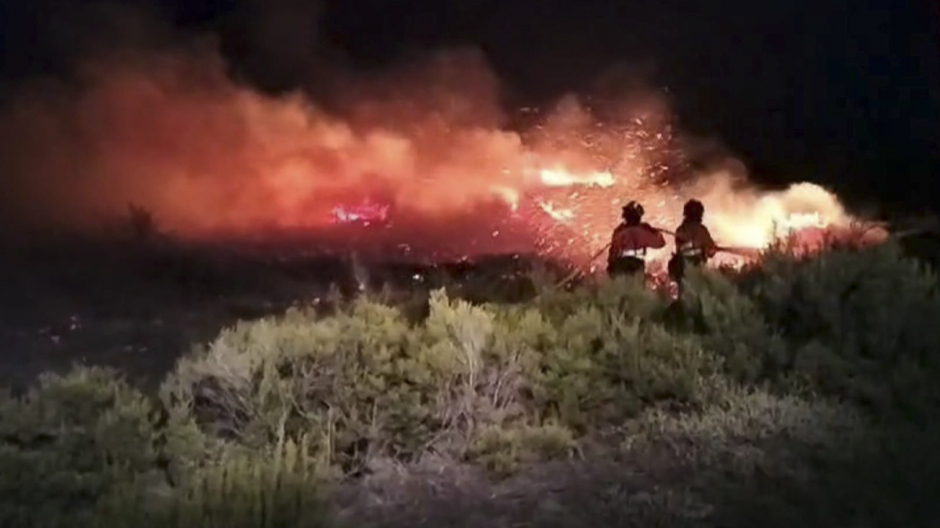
<point x="781" y="394"/>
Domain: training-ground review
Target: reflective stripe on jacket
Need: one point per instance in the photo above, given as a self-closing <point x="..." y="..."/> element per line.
<point x="633" y="241"/>
<point x="694" y="241"/>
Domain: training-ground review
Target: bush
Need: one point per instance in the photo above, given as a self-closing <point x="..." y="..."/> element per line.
<point x="603" y="368"/>
<point x="604" y="355"/>
<point x="70" y="442"/>
<point x="242" y="489"/>
<point x="504" y="450"/>
<point x="248" y="429"/>
<point x="627" y="296"/>
<point x="741" y="431"/>
<point x="756" y="458"/>
<point x="364" y="382"/>
<point x="85" y="449"/>
<point x="730" y="325"/>
<point x="359" y="383"/>
<point x="860" y="324"/>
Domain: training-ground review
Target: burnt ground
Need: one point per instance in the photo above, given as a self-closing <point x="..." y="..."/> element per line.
<point x="139" y="306"/>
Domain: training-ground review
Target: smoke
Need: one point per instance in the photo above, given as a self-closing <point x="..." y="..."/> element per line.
<point x="174" y="134"/>
<point x="167" y="127"/>
<point x="279" y="44"/>
<point x="172" y="131"/>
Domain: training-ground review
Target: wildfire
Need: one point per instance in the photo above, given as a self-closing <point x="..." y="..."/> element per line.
<point x="560" y="215"/>
<point x="577" y="223"/>
<point x="428" y="159"/>
<point x="562" y="178"/>
<point x="366" y="212"/>
<point x="508" y="194"/>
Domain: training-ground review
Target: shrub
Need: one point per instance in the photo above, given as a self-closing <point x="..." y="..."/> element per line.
<point x="280" y="488"/>
<point x="70" y="442"/>
<point x="504" y="450"/>
<point x="730" y="325"/>
<point x="290" y="401"/>
<point x="627" y="296"/>
<point x="85" y="449"/>
<point x="365" y="382"/>
<point x="288" y="377"/>
<point x="362" y="382"/>
<point x="142" y="224"/>
<point x="860" y="324"/>
<point x="758" y="458"/>
<point x="600" y="368"/>
<point x="745" y="427"/>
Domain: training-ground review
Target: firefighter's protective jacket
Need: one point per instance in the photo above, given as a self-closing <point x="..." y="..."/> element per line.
<point x="633" y="241"/>
<point x="694" y="242"/>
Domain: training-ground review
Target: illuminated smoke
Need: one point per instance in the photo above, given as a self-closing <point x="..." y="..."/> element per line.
<point x="415" y="157"/>
<point x="173" y="134"/>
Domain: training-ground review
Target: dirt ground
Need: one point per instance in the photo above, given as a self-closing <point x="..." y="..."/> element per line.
<point x="136" y="309"/>
<point x="139" y="307"/>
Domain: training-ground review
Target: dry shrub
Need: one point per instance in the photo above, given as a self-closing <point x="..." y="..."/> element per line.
<point x="256" y="420"/>
<point x="729" y="324"/>
<point x="366" y="382"/>
<point x="504" y="450"/>
<point x="241" y="489"/>
<point x="78" y="439"/>
<point x="858" y="323"/>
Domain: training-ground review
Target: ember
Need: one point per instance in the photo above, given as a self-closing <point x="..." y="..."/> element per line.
<point x="450" y="178"/>
<point x="366" y="213"/>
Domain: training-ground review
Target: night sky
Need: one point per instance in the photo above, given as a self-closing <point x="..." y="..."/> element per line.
<point x="844" y="92"/>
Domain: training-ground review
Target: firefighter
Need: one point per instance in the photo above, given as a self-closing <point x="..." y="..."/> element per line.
<point x="630" y="241"/>
<point x="694" y="244"/>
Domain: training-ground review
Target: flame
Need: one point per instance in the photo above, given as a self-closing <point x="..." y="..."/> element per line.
<point x="755" y="219"/>
<point x="561" y="178"/>
<point x="426" y="155"/>
<point x="366" y="212"/>
<point x="508" y="194"/>
<point x="561" y="215"/>
<point x="739" y="217"/>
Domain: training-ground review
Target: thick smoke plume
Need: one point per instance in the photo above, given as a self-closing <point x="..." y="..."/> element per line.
<point x="423" y="149"/>
<point x="174" y="134"/>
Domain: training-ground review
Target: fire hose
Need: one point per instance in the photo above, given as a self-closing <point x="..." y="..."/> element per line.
<point x="922" y="227"/>
<point x="749" y="252"/>
<point x="740" y="251"/>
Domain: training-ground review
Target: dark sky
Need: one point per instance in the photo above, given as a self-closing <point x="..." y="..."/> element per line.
<point x="840" y="91"/>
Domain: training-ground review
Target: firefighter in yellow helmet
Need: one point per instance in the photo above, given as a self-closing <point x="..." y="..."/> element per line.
<point x="630" y="241"/>
<point x="694" y="244"/>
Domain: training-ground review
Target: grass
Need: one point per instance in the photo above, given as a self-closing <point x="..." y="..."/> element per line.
<point x="797" y="393"/>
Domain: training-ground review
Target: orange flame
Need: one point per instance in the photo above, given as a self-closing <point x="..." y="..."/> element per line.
<point x="559" y="177"/>
<point x="560" y="215"/>
<point x="425" y="156"/>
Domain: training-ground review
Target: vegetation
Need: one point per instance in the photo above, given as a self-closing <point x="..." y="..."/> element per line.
<point x="800" y="392"/>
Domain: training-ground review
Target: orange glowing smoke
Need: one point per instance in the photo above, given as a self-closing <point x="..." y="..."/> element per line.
<point x="560" y="177"/>
<point x="421" y="159"/>
<point x="175" y="135"/>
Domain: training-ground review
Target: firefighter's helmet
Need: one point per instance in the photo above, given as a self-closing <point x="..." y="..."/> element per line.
<point x="693" y="210"/>
<point x="633" y="212"/>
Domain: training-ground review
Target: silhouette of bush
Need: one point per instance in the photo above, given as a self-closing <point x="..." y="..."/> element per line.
<point x="142" y="223"/>
<point x="858" y="323"/>
<point x="730" y="325"/>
